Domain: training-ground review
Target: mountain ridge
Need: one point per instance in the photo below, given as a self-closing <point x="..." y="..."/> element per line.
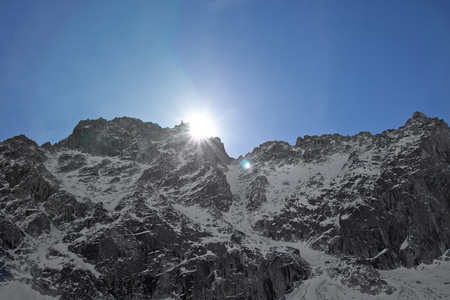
<point x="124" y="209"/>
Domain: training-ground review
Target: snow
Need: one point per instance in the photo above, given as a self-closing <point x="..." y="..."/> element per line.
<point x="286" y="180"/>
<point x="75" y="260"/>
<point x="405" y="244"/>
<point x="345" y="216"/>
<point x="143" y="232"/>
<point x="15" y="290"/>
<point x="195" y="213"/>
<point x="330" y="221"/>
<point x="424" y="282"/>
<point x="98" y="188"/>
<point x="379" y="254"/>
<point x="300" y="180"/>
<point x="45" y="243"/>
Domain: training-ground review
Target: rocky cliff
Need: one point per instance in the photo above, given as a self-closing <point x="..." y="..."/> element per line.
<point x="124" y="209"/>
<point x="361" y="195"/>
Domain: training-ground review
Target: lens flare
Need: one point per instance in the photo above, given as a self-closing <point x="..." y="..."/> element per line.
<point x="246" y="164"/>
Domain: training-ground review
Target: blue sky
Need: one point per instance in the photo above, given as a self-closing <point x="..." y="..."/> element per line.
<point x="263" y="70"/>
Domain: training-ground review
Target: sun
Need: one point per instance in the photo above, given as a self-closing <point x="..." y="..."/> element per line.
<point x="201" y="126"/>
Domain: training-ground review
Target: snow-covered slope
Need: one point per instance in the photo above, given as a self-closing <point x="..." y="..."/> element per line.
<point x="360" y="195"/>
<point x="124" y="209"/>
<point x="426" y="281"/>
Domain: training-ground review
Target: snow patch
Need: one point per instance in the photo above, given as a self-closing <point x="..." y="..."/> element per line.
<point x="15" y="290"/>
<point x="405" y="244"/>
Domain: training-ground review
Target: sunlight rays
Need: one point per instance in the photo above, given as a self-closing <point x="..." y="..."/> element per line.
<point x="201" y="126"/>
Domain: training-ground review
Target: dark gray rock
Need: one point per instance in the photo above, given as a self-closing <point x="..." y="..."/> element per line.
<point x="256" y="195"/>
<point x="62" y="208"/>
<point x="406" y="198"/>
<point x="114" y="138"/>
<point x="37" y="224"/>
<point x="70" y="162"/>
<point x="11" y="236"/>
<point x="128" y="210"/>
<point x="360" y="275"/>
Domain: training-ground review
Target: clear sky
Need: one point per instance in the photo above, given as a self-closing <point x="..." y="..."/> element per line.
<point x="262" y="69"/>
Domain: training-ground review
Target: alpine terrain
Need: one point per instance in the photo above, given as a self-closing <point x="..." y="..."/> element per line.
<point x="124" y="209"/>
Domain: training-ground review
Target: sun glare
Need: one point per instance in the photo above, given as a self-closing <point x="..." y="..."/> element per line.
<point x="201" y="126"/>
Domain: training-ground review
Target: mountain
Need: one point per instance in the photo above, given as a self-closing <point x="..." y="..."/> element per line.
<point x="124" y="209"/>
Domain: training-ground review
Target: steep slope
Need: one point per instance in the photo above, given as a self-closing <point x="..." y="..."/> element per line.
<point x="127" y="210"/>
<point x="383" y="198"/>
<point x="124" y="209"/>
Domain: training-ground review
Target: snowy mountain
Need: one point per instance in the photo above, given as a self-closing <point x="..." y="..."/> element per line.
<point x="124" y="209"/>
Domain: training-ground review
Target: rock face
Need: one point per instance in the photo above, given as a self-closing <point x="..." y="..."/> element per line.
<point x="361" y="195"/>
<point x="124" y="209"/>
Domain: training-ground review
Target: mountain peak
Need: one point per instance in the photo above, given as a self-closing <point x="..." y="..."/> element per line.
<point x="418" y="118"/>
<point x="419" y="123"/>
<point x="419" y="115"/>
<point x="124" y="209"/>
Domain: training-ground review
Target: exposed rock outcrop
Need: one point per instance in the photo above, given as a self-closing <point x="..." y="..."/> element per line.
<point x="361" y="195"/>
<point x="124" y="209"/>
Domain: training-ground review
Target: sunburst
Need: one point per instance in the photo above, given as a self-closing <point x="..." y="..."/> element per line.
<point x="201" y="126"/>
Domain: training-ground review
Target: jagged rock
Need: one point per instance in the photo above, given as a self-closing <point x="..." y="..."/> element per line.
<point x="215" y="193"/>
<point x="376" y="191"/>
<point x="113" y="138"/>
<point x="20" y="147"/>
<point x="37" y="224"/>
<point x="11" y="236"/>
<point x="359" y="274"/>
<point x="62" y="207"/>
<point x="124" y="209"/>
<point x="70" y="162"/>
<point x="257" y="193"/>
<point x="214" y="273"/>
